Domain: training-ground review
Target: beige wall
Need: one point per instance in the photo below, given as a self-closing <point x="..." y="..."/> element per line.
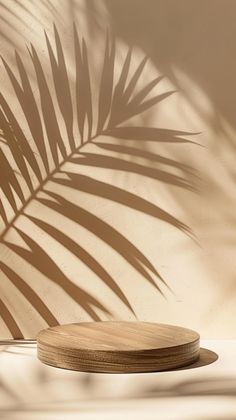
<point x="43" y="278"/>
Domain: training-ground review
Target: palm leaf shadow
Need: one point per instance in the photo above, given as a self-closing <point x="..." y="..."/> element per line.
<point x="106" y="87"/>
<point x="103" y="231"/>
<point x="134" y="151"/>
<point x="83" y="256"/>
<point x="10" y="321"/>
<point x="29" y="107"/>
<point x="110" y="192"/>
<point x="118" y="101"/>
<point x="83" y="88"/>
<point x="62" y="86"/>
<point x="109" y="162"/>
<point x="49" y="114"/>
<point x="39" y="259"/>
<point x="29" y="294"/>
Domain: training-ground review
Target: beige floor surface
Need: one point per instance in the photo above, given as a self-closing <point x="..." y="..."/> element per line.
<point x="30" y="390"/>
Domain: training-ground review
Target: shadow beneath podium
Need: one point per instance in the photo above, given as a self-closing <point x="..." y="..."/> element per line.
<point x="206" y="358"/>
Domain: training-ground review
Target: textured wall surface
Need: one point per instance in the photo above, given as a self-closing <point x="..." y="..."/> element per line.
<point x="117" y="182"/>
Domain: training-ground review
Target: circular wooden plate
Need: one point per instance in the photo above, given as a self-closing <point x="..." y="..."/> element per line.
<point x="118" y="347"/>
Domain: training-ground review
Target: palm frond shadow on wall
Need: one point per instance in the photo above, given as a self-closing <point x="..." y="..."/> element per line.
<point x="44" y="171"/>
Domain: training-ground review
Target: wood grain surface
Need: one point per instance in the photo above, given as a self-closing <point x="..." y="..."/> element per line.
<point x="118" y="347"/>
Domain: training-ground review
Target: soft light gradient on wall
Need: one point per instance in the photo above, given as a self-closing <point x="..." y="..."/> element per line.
<point x="169" y="194"/>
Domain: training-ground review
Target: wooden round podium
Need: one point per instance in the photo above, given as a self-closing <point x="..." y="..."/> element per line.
<point x="118" y="347"/>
